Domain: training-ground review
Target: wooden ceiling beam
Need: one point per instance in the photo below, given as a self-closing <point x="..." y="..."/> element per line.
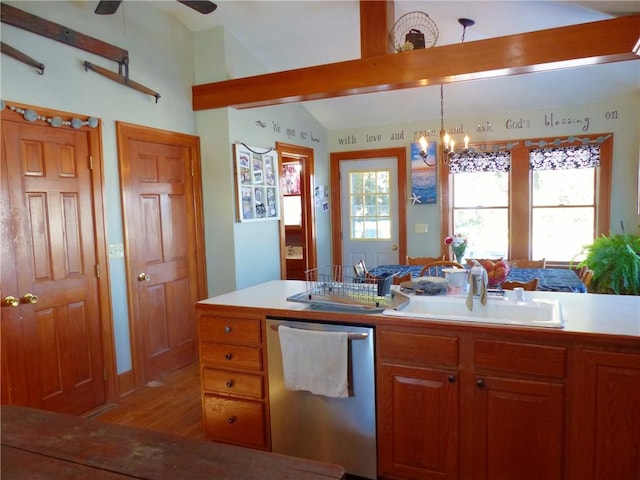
<point x="376" y="21"/>
<point x="592" y="43"/>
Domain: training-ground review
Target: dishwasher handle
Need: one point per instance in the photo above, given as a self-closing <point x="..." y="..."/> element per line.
<point x="350" y="335"/>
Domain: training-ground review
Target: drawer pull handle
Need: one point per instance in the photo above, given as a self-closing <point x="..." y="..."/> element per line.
<point x="480" y="383"/>
<point x="229" y="383"/>
<point x="451" y="379"/>
<point x="231" y="420"/>
<point x="228" y="356"/>
<point x="227" y="329"/>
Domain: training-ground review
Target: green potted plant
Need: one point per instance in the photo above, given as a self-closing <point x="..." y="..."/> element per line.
<point x="615" y="262"/>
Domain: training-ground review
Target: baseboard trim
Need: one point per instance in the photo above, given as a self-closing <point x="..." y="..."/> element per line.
<point x="126" y="383"/>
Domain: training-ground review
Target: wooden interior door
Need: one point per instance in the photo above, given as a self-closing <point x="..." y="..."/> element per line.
<point x="52" y="344"/>
<point x="164" y="249"/>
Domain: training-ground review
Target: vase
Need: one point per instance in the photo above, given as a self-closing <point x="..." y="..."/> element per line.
<point x="458" y="257"/>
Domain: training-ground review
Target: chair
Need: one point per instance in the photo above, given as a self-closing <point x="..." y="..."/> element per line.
<point x="580" y="271"/>
<point x="434" y="269"/>
<point x="586" y="277"/>
<point x="524" y="263"/>
<point x="530" y="286"/>
<point x="398" y="279"/>
<point x="423" y="260"/>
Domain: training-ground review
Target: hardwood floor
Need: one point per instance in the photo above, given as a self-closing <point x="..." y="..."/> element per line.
<point x="171" y="404"/>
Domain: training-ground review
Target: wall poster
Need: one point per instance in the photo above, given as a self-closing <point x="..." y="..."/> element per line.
<point x="257" y="193"/>
<point x="423" y="177"/>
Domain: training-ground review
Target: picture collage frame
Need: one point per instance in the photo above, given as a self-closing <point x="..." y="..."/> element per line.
<point x="257" y="183"/>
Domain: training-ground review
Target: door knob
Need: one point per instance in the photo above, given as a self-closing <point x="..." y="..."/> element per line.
<point x="11" y="301"/>
<point x="30" y="298"/>
<point x="143" y="277"/>
<point x="394" y="247"/>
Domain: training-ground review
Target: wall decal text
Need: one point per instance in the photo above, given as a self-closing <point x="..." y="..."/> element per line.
<point x="520" y="123"/>
<point x="551" y="121"/>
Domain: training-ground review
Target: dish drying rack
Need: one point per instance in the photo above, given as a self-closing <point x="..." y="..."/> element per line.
<point x="335" y="287"/>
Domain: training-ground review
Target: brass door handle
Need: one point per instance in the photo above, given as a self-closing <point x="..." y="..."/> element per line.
<point x="30" y="298"/>
<point x="11" y="301"/>
<point x="143" y="277"/>
<point x="394" y="247"/>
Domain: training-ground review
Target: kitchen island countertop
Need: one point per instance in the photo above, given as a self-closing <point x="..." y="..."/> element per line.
<point x="588" y="314"/>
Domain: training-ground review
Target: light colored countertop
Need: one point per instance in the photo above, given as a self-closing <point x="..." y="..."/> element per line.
<point x="596" y="314"/>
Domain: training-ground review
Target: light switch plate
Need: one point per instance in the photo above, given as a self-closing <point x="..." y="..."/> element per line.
<point x="116" y="250"/>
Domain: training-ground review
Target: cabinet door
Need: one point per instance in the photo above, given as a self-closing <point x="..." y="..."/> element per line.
<point x="517" y="429"/>
<point x="606" y="427"/>
<point x="418" y="423"/>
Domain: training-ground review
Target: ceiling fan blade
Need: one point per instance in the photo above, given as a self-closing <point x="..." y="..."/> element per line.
<point x="202" y="6"/>
<point x="107" y="7"/>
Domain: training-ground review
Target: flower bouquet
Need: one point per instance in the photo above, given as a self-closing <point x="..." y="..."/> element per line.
<point x="458" y="244"/>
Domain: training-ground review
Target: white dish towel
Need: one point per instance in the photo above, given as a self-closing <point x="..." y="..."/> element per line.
<point x="315" y="361"/>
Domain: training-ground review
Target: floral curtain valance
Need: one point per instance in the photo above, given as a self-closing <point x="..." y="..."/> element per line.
<point x="564" y="158"/>
<point x="480" y="162"/>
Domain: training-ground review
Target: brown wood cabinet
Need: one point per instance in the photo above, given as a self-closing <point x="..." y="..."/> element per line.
<point x="232" y="363"/>
<point x="418" y="405"/>
<point x="516" y="427"/>
<point x="454" y="401"/>
<point x="606" y="428"/>
<point x="464" y="407"/>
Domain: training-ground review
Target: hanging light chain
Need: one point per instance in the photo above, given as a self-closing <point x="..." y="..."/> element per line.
<point x="441" y="107"/>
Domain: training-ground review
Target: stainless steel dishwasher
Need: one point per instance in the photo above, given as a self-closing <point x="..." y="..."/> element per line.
<point x="336" y="430"/>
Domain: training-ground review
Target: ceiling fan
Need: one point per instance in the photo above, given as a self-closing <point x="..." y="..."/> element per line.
<point x="109" y="7"/>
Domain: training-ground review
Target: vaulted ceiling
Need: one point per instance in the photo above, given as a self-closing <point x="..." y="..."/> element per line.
<point x="284" y="35"/>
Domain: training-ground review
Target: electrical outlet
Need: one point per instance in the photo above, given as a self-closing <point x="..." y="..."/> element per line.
<point x="420" y="228"/>
<point x="116" y="250"/>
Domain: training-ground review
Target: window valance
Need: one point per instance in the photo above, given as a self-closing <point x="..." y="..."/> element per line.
<point x="564" y="158"/>
<point x="480" y="162"/>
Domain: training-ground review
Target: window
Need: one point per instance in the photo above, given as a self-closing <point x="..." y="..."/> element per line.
<point x="369" y="205"/>
<point x="480" y="185"/>
<point x="563" y="202"/>
<point x="542" y="199"/>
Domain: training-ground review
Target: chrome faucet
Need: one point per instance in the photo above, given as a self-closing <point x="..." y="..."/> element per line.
<point x="478" y="280"/>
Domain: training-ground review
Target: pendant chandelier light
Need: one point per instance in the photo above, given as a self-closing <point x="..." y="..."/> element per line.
<point x="447" y="143"/>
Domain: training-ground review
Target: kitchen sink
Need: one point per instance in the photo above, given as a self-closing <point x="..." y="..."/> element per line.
<point x="531" y="313"/>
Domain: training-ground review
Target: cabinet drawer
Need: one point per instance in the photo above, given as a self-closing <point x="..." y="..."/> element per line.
<point x="241" y="422"/>
<point x="231" y="356"/>
<point x="238" y="331"/>
<point x="230" y="383"/>
<point x="519" y="357"/>
<point x="419" y="348"/>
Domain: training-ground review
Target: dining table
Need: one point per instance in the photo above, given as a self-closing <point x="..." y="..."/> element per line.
<point x="549" y="279"/>
<point x="43" y="445"/>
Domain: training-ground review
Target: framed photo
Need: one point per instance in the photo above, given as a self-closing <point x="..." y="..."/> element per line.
<point x="256" y="183"/>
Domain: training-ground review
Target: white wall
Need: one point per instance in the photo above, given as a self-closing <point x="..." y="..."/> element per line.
<point x="619" y="115"/>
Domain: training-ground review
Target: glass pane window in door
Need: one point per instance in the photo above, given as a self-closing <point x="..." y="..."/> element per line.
<point x="369" y="205"/>
<point x="481" y="212"/>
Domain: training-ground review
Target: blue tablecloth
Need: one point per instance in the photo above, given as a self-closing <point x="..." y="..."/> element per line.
<point x="549" y="279"/>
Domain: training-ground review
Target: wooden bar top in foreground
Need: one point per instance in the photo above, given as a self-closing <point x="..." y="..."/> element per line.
<point x="46" y="445"/>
